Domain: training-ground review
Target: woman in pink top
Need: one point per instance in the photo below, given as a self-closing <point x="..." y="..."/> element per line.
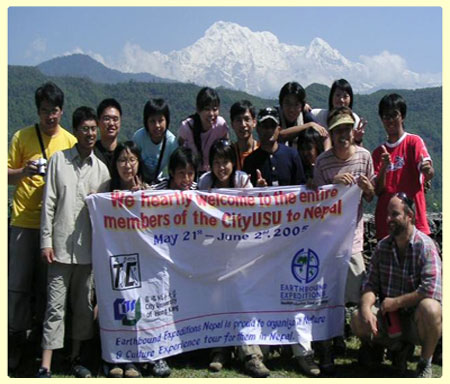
<point x="200" y="130"/>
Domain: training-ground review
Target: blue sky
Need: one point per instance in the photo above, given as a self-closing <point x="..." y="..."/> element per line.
<point x="36" y="34"/>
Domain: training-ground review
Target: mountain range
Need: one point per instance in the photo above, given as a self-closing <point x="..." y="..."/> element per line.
<point x="235" y="57"/>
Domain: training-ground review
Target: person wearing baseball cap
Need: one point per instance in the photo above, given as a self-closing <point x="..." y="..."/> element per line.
<point x="273" y="163"/>
<point x="346" y="163"/>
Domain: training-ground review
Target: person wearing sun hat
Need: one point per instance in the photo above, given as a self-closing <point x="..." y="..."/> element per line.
<point x="346" y="163"/>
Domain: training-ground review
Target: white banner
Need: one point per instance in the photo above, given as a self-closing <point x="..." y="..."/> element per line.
<point x="178" y="271"/>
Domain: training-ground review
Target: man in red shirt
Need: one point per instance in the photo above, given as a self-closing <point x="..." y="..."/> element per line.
<point x="402" y="163"/>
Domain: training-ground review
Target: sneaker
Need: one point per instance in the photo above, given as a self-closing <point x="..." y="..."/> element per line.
<point x="424" y="370"/>
<point x="132" y="371"/>
<point x="79" y="370"/>
<point x="44" y="373"/>
<point x="113" y="371"/>
<point x="370" y="355"/>
<point x="308" y="366"/>
<point x="160" y="368"/>
<point x="255" y="367"/>
<point x="400" y="358"/>
<point x="217" y="362"/>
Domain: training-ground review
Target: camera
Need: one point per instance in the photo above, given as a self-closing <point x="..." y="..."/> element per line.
<point x="41" y="165"/>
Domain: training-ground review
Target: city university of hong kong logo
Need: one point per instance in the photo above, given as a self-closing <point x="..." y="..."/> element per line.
<point x="129" y="311"/>
<point x="305" y="265"/>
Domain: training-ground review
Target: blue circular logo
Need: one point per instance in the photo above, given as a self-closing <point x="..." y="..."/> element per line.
<point x="305" y="265"/>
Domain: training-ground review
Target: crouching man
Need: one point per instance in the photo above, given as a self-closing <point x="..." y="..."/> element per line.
<point x="405" y="276"/>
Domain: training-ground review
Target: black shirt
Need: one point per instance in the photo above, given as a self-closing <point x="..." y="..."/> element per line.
<point x="284" y="166"/>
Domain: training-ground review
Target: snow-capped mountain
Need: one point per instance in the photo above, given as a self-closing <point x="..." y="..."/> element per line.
<point x="233" y="56"/>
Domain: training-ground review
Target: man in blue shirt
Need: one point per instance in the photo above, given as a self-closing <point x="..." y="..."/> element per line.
<point x="273" y="163"/>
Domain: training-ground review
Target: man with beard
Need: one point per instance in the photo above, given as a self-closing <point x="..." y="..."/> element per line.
<point x="405" y="275"/>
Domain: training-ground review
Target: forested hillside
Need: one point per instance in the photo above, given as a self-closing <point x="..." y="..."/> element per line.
<point x="424" y="115"/>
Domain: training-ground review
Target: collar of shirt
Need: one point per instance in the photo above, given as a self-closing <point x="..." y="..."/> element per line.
<point x="74" y="155"/>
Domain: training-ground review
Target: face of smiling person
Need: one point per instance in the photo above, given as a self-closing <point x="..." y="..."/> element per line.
<point x="342" y="136"/>
<point x="208" y="116"/>
<point x="127" y="165"/>
<point x="109" y="123"/>
<point x="243" y="125"/>
<point x="182" y="178"/>
<point x="49" y="117"/>
<point x="156" y="126"/>
<point x="341" y="98"/>
<point x="291" y="108"/>
<point x="222" y="169"/>
<point x="393" y="124"/>
<point x="86" y="134"/>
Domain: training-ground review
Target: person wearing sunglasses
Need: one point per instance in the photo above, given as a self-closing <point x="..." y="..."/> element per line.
<point x="402" y="163"/>
<point x="405" y="277"/>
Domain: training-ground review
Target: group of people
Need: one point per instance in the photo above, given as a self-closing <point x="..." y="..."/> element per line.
<point x="53" y="171"/>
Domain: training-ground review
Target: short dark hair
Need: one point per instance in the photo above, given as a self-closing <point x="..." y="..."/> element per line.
<point x="292" y="88"/>
<point x="50" y="92"/>
<point x="156" y="107"/>
<point x="182" y="157"/>
<point x="108" y="103"/>
<point x="82" y="114"/>
<point x="134" y="149"/>
<point x="240" y="107"/>
<point x="390" y="102"/>
<point x="309" y="137"/>
<point x="343" y="85"/>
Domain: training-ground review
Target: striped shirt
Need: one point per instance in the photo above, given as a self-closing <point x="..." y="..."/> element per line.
<point x="360" y="163"/>
<point x="420" y="271"/>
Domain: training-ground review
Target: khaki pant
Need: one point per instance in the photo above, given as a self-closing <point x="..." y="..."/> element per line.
<point x="73" y="283"/>
<point x="355" y="276"/>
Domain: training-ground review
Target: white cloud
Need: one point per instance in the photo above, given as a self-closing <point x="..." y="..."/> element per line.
<point x="384" y="68"/>
<point x="37" y="48"/>
<point x="94" y="55"/>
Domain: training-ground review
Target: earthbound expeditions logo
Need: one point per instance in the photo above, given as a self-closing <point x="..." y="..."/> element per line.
<point x="129" y="311"/>
<point x="305" y="267"/>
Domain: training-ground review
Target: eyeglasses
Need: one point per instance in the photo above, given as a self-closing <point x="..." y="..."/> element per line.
<point x="391" y="116"/>
<point x="131" y="160"/>
<point x="404" y="197"/>
<point x="86" y="129"/>
<point x="107" y="119"/>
